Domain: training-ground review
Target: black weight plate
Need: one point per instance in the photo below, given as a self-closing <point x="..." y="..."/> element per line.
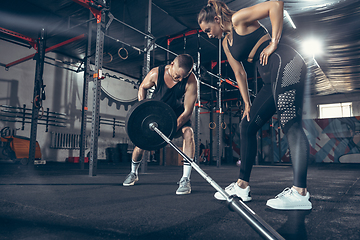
<point x="141" y="115"/>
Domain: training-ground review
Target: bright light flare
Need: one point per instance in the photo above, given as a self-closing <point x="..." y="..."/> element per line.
<point x="312" y="47"/>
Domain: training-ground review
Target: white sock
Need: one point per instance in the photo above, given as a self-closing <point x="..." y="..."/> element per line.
<point x="135" y="166"/>
<point x="186" y="170"/>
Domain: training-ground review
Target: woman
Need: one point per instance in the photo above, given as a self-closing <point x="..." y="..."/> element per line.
<point x="283" y="72"/>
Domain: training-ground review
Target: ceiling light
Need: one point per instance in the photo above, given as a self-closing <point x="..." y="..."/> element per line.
<point x="289" y="18"/>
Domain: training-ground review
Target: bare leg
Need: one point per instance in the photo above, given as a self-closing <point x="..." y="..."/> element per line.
<point x="135" y="163"/>
<point x="301" y="191"/>
<point x="137" y="154"/>
<point x="136" y="159"/>
<point x="189" y="150"/>
<point x="188" y="142"/>
<point x="243" y="184"/>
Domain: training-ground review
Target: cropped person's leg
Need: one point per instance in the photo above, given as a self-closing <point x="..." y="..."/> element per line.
<point x="135" y="163"/>
<point x="189" y="150"/>
<point x="299" y="153"/>
<point x="289" y="88"/>
<point x="262" y="109"/>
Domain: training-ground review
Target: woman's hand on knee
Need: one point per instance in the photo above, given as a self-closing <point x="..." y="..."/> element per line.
<point x="246" y="112"/>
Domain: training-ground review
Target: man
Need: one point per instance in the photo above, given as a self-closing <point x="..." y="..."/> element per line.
<point x="176" y="85"/>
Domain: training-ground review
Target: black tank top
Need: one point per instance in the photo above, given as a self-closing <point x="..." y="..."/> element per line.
<point x="243" y="44"/>
<point x="172" y="96"/>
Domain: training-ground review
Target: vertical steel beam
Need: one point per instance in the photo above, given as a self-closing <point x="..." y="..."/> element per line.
<point x="219" y="112"/>
<point x="259" y="133"/>
<point x="197" y="106"/>
<point x="146" y="70"/>
<point x="230" y="133"/>
<point x="147" y="56"/>
<point x="212" y="106"/>
<point x="85" y="95"/>
<point x="95" y="121"/>
<point x="40" y="57"/>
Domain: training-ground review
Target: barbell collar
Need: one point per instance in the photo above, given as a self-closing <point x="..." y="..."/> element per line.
<point x="153" y="125"/>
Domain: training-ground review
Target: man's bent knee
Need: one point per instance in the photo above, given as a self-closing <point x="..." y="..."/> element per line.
<point x="188" y="133"/>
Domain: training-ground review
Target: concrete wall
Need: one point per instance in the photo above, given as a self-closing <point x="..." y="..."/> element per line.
<point x="64" y="91"/>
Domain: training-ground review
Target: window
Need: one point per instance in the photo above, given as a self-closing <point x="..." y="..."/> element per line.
<point x="335" y="110"/>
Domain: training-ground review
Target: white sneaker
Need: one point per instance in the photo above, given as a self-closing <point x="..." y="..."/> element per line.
<point x="290" y="199"/>
<point x="130" y="179"/>
<point x="234" y="189"/>
<point x="184" y="186"/>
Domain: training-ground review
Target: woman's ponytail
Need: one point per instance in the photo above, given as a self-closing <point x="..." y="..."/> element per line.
<point x="215" y="8"/>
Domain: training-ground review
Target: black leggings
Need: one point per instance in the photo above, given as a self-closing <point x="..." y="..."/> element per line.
<point x="284" y="80"/>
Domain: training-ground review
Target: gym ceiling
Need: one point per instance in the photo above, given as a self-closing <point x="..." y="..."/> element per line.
<point x="335" y="23"/>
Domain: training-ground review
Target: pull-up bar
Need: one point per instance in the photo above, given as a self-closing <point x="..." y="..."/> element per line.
<point x="192" y="32"/>
<point x="31" y="41"/>
<point x="229" y="81"/>
<point x="146" y="35"/>
<point x="118" y="40"/>
<point x="208" y="85"/>
<point x="75" y="26"/>
<point x="46" y="50"/>
<point x="127" y="25"/>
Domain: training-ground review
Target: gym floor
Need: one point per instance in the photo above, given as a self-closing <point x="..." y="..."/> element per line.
<point x="60" y="201"/>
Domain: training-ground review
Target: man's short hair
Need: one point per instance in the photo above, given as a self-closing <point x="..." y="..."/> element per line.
<point x="185" y="61"/>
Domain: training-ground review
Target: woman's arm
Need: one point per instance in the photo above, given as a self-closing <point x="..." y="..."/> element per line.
<point x="272" y="9"/>
<point x="241" y="79"/>
<point x="246" y="19"/>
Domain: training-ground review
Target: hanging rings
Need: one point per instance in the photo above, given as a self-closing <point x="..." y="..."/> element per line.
<point x="212" y="125"/>
<point x="111" y="57"/>
<point x="238" y="103"/>
<point x="126" y="53"/>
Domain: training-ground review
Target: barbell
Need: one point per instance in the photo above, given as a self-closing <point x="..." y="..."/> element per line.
<point x="152" y="124"/>
<point x="141" y="115"/>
